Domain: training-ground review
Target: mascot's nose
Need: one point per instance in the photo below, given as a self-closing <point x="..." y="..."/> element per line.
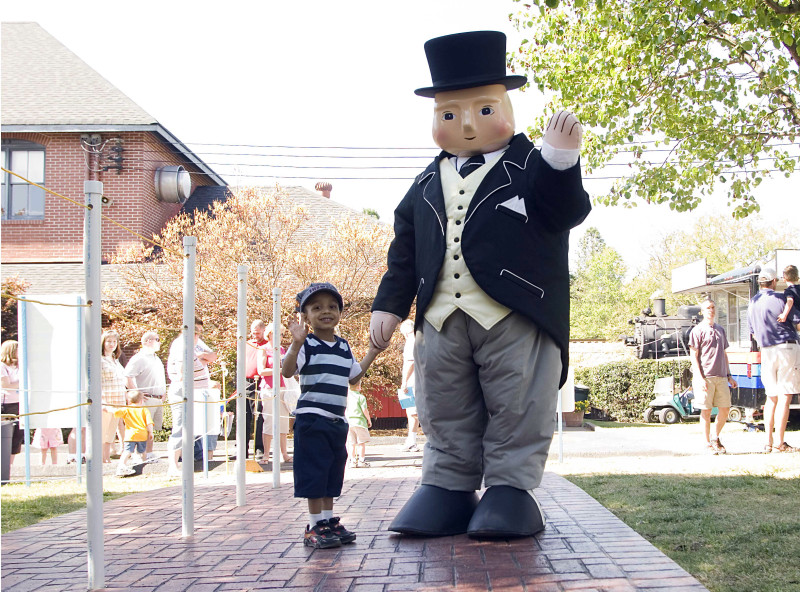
<point x="466" y="123"/>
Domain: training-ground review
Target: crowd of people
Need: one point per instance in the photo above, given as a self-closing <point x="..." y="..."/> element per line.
<point x="773" y="320"/>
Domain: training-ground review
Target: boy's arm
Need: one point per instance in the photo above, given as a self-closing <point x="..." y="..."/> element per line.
<point x="406" y="376"/>
<point x="786" y="309"/>
<point x="366" y="362"/>
<point x="299" y="334"/>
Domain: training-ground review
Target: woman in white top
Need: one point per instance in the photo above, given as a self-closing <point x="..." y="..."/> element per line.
<point x="9" y="380"/>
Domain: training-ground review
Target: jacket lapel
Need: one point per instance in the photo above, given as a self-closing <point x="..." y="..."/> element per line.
<point x="518" y="156"/>
<point x="431" y="185"/>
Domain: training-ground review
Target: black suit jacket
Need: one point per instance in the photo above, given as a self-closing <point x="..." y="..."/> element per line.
<point x="517" y="255"/>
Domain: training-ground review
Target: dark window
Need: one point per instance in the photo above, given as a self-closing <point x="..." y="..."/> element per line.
<point x="21" y="200"/>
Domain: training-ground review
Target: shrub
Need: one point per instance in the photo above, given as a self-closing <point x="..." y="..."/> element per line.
<point x="623" y="389"/>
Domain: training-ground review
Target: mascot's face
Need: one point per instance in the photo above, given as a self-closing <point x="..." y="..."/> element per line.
<point x="473" y="121"/>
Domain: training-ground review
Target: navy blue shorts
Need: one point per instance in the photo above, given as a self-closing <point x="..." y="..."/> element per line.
<point x="138" y="446"/>
<point x="320" y="455"/>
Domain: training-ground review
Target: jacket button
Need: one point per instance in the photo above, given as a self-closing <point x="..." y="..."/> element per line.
<point x="458" y="294"/>
<point x="458" y="222"/>
<point x="458" y="275"/>
<point x="460" y="207"/>
<point x="456" y="239"/>
<point x="456" y="257"/>
<point x="461" y="192"/>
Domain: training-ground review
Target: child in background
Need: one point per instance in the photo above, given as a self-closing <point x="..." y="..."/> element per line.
<point x="325" y="364"/>
<point x="358" y="417"/>
<point x="792" y="292"/>
<point x="48" y="439"/>
<point x="138" y="429"/>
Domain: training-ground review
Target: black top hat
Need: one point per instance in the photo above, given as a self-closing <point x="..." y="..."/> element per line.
<point x="467" y="60"/>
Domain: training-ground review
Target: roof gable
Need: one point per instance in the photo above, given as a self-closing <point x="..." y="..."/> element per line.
<point x="44" y="83"/>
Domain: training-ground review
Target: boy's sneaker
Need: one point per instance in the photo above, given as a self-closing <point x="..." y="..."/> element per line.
<point x="125" y="471"/>
<point x="362" y="463"/>
<point x="340" y="531"/>
<point x="717" y="447"/>
<point x="321" y="536"/>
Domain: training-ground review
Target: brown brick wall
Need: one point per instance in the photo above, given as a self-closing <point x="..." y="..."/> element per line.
<point x="59" y="237"/>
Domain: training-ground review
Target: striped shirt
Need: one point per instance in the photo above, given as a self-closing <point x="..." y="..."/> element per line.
<point x="112" y="376"/>
<point x="325" y="369"/>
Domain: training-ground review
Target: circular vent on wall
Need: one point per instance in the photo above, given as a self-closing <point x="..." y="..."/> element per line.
<point x="173" y="184"/>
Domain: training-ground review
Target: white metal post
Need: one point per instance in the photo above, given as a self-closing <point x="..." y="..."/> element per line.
<point x="189" y="252"/>
<point x="276" y="387"/>
<point x="79" y="422"/>
<point x="22" y="362"/>
<point x="241" y="383"/>
<point x="92" y="250"/>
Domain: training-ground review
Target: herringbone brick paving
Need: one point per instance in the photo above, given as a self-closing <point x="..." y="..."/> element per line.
<point x="259" y="546"/>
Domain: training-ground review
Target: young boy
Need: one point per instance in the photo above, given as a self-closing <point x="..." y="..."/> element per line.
<point x="359" y="423"/>
<point x="138" y="429"/>
<point x="792" y="292"/>
<point x="325" y="365"/>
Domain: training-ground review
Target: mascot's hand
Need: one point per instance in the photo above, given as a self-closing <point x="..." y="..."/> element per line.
<point x="564" y="131"/>
<point x="381" y="327"/>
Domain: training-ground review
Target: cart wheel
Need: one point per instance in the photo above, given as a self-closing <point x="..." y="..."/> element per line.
<point x="650" y="415"/>
<point x="668" y="415"/>
<point x="735" y="414"/>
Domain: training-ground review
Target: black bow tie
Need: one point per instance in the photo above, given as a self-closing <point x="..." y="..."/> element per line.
<point x="472" y="163"/>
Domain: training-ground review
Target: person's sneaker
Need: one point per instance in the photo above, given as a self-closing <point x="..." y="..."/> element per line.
<point x="410" y="447"/>
<point x="151" y="457"/>
<point x="125" y="471"/>
<point x="259" y="455"/>
<point x="321" y="536"/>
<point x="353" y="463"/>
<point x="710" y="448"/>
<point x="340" y="531"/>
<point x="362" y="463"/>
<point x="717" y="447"/>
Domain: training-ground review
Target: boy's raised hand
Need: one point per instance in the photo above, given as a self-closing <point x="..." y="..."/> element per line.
<point x="298" y="331"/>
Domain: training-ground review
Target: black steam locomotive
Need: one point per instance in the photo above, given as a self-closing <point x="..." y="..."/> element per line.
<point x="657" y="335"/>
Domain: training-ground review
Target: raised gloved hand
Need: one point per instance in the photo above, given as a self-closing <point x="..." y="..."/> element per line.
<point x="381" y="326"/>
<point x="564" y="131"/>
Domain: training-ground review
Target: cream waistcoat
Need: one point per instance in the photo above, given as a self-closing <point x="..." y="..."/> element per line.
<point x="455" y="287"/>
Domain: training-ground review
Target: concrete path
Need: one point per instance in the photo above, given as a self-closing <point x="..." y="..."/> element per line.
<point x="259" y="546"/>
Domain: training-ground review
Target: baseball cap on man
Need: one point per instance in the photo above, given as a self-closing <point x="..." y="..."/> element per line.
<point x="314" y="288"/>
<point x="767" y="274"/>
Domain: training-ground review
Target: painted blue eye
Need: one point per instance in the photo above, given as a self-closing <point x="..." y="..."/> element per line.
<point x="448" y="116"/>
<point x="487" y="111"/>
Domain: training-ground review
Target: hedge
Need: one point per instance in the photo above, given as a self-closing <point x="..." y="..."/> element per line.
<point x="623" y="389"/>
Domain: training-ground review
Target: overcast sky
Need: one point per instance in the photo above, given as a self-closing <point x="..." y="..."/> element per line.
<point x="230" y="76"/>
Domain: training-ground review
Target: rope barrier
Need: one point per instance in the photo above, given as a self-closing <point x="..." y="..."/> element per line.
<point x="18" y="299"/>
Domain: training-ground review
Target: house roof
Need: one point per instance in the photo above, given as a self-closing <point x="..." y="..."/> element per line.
<point x="321" y="209"/>
<point x="45" y="83"/>
<point x="47" y="88"/>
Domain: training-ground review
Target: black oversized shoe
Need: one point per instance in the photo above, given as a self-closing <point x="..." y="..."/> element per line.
<point x="506" y="512"/>
<point x="434" y="511"/>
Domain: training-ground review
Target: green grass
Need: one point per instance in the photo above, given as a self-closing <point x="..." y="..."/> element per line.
<point x="733" y="533"/>
<point x="23" y="506"/>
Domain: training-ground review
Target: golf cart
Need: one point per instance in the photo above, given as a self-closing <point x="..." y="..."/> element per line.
<point x="669" y="406"/>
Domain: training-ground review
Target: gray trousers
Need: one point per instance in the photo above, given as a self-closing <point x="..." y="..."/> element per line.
<point x="486" y="402"/>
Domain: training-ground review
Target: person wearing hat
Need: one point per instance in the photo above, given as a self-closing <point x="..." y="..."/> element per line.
<point x="481" y="242"/>
<point x="780" y="356"/>
<point x="325" y="365"/>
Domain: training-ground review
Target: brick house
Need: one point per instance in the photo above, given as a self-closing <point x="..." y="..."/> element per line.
<point x="63" y="123"/>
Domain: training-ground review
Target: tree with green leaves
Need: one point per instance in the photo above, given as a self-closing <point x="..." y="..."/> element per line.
<point x="600" y="301"/>
<point x="688" y="94"/>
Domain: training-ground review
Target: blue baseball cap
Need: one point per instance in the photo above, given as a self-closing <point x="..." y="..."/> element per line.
<point x="302" y="297"/>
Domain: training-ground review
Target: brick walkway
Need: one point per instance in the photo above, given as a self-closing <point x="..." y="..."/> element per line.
<point x="259" y="546"/>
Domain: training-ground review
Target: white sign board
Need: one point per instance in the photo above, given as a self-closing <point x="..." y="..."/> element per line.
<point x="207" y="412"/>
<point x="784" y="257"/>
<point x="52" y="359"/>
<point x="691" y="275"/>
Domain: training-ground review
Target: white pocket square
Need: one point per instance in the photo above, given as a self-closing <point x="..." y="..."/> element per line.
<point x="515" y="205"/>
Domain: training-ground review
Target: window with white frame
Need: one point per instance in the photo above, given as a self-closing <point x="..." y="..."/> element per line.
<point x="21" y="200"/>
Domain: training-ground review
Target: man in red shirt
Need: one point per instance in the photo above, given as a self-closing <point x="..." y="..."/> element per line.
<point x="257" y="342"/>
